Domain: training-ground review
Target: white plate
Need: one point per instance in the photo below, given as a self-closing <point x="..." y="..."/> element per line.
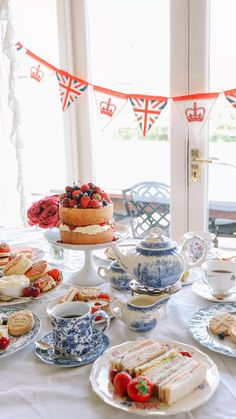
<point x="23" y="300"/>
<point x="99" y="379"/>
<point x="53" y="236"/>
<point x="20" y="342"/>
<point x="194" y="275"/>
<point x="201" y="288"/>
<point x="57" y="300"/>
<point x="125" y="246"/>
<point x="199" y="329"/>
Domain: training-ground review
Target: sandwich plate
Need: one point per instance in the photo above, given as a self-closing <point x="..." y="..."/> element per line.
<point x="199" y="329"/>
<point x="99" y="379"/>
<point x="20" y="342"/>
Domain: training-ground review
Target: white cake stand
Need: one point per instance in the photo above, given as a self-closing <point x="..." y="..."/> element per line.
<point x="88" y="275"/>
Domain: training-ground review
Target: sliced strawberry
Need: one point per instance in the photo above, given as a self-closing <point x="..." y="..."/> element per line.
<point x="94" y="309"/>
<point x="98" y="304"/>
<point x="103" y="296"/>
<point x="97" y="318"/>
<point x="55" y="274"/>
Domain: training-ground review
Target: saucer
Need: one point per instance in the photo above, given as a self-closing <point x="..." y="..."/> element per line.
<point x="202" y="289"/>
<point x="49" y="357"/>
<point x="194" y="275"/>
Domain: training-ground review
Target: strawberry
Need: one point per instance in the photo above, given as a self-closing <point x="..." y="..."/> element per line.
<point x="97" y="318"/>
<point x="84" y="188"/>
<point x="26" y="292"/>
<point x="97" y="189"/>
<point x="140" y="389"/>
<point x="94" y="309"/>
<point x="4" y="342"/>
<point x="103" y="296"/>
<point x="69" y="189"/>
<point x="73" y="203"/>
<point x="76" y="192"/>
<point x="121" y="382"/>
<point x="112" y="374"/>
<point x="95" y="204"/>
<point x="65" y="202"/>
<point x="55" y="274"/>
<point x="85" y="201"/>
<point x="34" y="292"/>
<point x="97" y="196"/>
<point x="98" y="304"/>
<point x="91" y="185"/>
<point x="185" y="353"/>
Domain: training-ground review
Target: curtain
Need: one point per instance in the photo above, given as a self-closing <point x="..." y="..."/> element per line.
<point x="12" y="190"/>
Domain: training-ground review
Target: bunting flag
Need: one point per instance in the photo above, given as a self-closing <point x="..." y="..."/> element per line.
<point x="147" y="110"/>
<point x="108" y="106"/>
<point x="70" y="88"/>
<point x="231" y="97"/>
<point x="196" y="109"/>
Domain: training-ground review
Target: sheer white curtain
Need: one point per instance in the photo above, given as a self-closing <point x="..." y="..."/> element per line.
<point x="12" y="193"/>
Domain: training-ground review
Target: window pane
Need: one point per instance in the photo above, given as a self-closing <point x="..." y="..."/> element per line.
<point x="222" y="176"/>
<point x="129" y="52"/>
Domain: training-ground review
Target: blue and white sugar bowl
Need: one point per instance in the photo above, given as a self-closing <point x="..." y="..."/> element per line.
<point x="156" y="261"/>
<point x="116" y="276"/>
<point x="140" y="313"/>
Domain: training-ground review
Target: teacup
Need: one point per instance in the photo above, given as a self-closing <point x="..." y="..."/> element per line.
<point x="220" y="276"/>
<point x="195" y="247"/>
<point x="139" y="313"/>
<point x="74" y="331"/>
<point x="118" y="278"/>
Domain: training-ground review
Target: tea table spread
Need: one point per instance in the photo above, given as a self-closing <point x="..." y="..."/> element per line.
<point x="31" y="389"/>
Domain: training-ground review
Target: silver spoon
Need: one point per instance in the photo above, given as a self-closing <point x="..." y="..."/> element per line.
<point x="44" y="346"/>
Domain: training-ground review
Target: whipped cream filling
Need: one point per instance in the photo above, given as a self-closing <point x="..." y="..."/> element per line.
<point x="13" y="285"/>
<point x="92" y="229"/>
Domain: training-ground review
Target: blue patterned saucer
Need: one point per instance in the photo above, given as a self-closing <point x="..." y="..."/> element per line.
<point x="19" y="342"/>
<point x="200" y="331"/>
<point x="51" y="358"/>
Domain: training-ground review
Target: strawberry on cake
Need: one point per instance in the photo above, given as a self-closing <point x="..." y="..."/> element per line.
<point x="86" y="215"/>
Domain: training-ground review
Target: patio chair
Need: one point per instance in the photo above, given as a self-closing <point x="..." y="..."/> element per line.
<point x="148" y="205"/>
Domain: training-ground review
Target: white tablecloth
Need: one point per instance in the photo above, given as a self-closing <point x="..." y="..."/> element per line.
<point x="31" y="389"/>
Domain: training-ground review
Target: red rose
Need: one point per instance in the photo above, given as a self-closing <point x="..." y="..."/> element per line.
<point x="45" y="212"/>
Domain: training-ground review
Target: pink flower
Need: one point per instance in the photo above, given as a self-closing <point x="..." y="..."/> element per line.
<point x="45" y="212"/>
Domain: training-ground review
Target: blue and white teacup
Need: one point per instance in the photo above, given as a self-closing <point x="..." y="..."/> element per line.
<point x="74" y="331"/>
<point x="117" y="276"/>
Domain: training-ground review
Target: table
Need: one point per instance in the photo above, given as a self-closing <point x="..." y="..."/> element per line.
<point x="30" y="389"/>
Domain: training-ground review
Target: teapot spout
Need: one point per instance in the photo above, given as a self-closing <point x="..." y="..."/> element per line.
<point x="121" y="257"/>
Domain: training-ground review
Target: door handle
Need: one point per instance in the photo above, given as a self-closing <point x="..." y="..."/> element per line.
<point x="195" y="162"/>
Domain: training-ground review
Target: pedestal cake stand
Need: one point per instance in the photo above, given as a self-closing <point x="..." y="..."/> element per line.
<point x="88" y="275"/>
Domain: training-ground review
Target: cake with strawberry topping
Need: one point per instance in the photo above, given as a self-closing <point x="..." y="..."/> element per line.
<point x="86" y="215"/>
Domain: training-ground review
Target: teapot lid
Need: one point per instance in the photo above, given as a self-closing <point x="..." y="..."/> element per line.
<point x="156" y="240"/>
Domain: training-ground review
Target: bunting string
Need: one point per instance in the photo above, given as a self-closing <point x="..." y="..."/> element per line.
<point x="194" y="109"/>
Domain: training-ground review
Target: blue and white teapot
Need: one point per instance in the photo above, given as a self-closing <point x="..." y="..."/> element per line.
<point x="156" y="261"/>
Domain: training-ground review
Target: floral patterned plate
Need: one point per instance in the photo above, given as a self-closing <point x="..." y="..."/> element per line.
<point x="20" y="342"/>
<point x="198" y="327"/>
<point x="99" y="379"/>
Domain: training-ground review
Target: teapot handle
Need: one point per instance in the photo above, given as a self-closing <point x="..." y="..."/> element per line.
<point x="115" y="308"/>
<point x="199" y="261"/>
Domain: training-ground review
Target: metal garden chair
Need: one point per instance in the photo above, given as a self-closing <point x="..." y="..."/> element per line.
<point x="148" y="205"/>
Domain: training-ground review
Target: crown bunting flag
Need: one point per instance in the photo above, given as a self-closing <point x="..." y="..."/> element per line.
<point x="108" y="105"/>
<point x="147" y="110"/>
<point x="194" y="109"/>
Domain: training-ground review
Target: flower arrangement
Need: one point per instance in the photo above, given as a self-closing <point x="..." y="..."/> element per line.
<point x="45" y="212"/>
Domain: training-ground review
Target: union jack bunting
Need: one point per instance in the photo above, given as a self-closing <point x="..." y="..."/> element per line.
<point x="147" y="110"/>
<point x="231" y="97"/>
<point x="70" y="89"/>
<point x="18" y="46"/>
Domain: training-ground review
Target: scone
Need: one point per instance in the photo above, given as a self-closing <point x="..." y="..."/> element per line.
<point x="17" y="266"/>
<point x="4" y="250"/>
<point x="37" y="270"/>
<point x="222" y="323"/>
<point x="20" y="322"/>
